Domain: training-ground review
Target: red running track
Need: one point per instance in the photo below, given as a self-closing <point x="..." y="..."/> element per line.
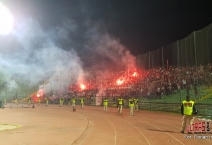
<point x="54" y="125"/>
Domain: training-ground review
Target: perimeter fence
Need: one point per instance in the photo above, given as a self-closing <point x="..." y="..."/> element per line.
<point x="194" y="50"/>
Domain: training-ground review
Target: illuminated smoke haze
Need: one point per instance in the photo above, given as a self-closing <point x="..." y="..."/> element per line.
<point x="34" y="55"/>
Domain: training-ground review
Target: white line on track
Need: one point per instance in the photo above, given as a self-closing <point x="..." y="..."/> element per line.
<point x="114" y="130"/>
<point x="137" y="129"/>
<point x="163" y="131"/>
<point x="160" y="121"/>
<point x="84" y="133"/>
<point x="169" y="125"/>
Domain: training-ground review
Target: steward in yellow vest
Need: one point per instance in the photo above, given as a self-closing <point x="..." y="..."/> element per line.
<point x="120" y="104"/>
<point x="29" y="100"/>
<point x="105" y="104"/>
<point x="187" y="110"/>
<point x="131" y="106"/>
<point x="47" y="101"/>
<point x="82" y="102"/>
<point x="39" y="100"/>
<point x="61" y="102"/>
<point x="73" y="100"/>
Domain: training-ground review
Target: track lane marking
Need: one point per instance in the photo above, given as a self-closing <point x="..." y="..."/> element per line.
<point x="84" y="136"/>
<point x="163" y="131"/>
<point x="115" y="140"/>
<point x="170" y="125"/>
<point x="137" y="129"/>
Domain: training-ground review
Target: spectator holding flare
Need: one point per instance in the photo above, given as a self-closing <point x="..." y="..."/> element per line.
<point x="105" y="104"/>
<point x="187" y="110"/>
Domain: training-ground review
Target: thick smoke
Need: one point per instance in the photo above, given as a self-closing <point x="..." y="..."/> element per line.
<point x="52" y="58"/>
<point x="108" y="48"/>
<point x="29" y="55"/>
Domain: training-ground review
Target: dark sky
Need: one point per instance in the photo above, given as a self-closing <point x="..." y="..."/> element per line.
<point x="141" y="25"/>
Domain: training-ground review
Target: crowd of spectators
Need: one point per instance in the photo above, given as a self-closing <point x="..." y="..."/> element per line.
<point x="155" y="82"/>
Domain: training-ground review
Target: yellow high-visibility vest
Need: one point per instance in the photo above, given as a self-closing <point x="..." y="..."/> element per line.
<point x="188" y="107"/>
<point x="131" y="103"/>
<point x="120" y="101"/>
<point x="73" y="100"/>
<point x="105" y="101"/>
<point x="47" y="100"/>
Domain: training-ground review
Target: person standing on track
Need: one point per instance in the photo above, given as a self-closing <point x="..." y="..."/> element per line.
<point x="105" y="104"/>
<point x="39" y="101"/>
<point x="29" y="100"/>
<point x="17" y="100"/>
<point x="120" y="104"/>
<point x="135" y="104"/>
<point x="47" y="101"/>
<point x="82" y="103"/>
<point x="5" y="101"/>
<point x="73" y="100"/>
<point x="69" y="101"/>
<point x="187" y="110"/>
<point x="131" y="106"/>
<point x="61" y="102"/>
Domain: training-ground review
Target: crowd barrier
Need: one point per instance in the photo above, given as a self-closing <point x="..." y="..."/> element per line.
<point x="203" y="109"/>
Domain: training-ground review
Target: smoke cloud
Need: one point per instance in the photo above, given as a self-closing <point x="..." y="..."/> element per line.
<point x="33" y="56"/>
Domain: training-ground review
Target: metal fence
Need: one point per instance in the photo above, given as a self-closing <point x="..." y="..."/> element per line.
<point x="193" y="50"/>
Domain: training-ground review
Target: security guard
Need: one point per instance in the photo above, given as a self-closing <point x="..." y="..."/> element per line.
<point x="69" y="101"/>
<point x="131" y="106"/>
<point x="120" y="104"/>
<point x="61" y="102"/>
<point x="73" y="102"/>
<point x="5" y="101"/>
<point x="29" y="100"/>
<point x="187" y="110"/>
<point x="47" y="101"/>
<point x="39" y="100"/>
<point x="82" y="103"/>
<point x="105" y="104"/>
<point x="135" y="104"/>
<point x="16" y="100"/>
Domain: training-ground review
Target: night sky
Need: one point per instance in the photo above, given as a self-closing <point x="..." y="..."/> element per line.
<point x="140" y="25"/>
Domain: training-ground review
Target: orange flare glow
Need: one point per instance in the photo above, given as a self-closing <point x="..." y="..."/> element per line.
<point x="82" y="86"/>
<point x="119" y="82"/>
<point x="135" y="74"/>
